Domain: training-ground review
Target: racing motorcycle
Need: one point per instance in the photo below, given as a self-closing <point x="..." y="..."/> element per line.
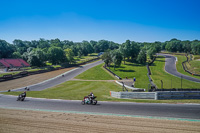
<point x="88" y="100"/>
<point x="21" y="97"/>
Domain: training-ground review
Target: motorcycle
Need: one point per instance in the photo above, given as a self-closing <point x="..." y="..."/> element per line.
<point x="88" y="100"/>
<point x="21" y="97"/>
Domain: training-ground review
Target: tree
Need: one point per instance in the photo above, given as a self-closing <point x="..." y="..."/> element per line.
<point x="106" y="57"/>
<point x="43" y="44"/>
<point x="135" y="49"/>
<point x="6" y="49"/>
<point x="125" y="50"/>
<point x="35" y="57"/>
<point x="116" y="58"/>
<point x="70" y="55"/>
<point x="16" y="55"/>
<point x="56" y="55"/>
<point x="151" y="52"/>
<point x="142" y="56"/>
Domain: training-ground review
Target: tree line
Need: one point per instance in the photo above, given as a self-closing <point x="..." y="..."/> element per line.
<point x="55" y="51"/>
<point x="37" y="52"/>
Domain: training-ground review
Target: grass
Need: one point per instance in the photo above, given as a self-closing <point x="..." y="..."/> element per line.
<point x="85" y="58"/>
<point x="180" y="69"/>
<point x="96" y="73"/>
<point x="158" y="74"/>
<point x="73" y="90"/>
<point x="131" y="70"/>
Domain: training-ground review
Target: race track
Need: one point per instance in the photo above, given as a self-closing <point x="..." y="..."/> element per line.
<point x="168" y="111"/>
<point x="170" y="67"/>
<point x="184" y="111"/>
<point x="59" y="79"/>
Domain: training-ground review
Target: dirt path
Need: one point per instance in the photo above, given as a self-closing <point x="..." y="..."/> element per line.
<point x="32" y="79"/>
<point x="35" y="121"/>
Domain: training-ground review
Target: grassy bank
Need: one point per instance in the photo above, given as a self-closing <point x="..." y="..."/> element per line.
<point x="96" y="73"/>
<point x="131" y="70"/>
<point x="169" y="81"/>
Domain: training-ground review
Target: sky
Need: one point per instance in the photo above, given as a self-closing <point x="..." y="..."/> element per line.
<point x="114" y="20"/>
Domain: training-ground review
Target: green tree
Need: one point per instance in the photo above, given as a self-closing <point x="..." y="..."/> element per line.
<point x="56" y="55"/>
<point x="116" y="58"/>
<point x="70" y="55"/>
<point x="16" y="55"/>
<point x="142" y="56"/>
<point x="106" y="57"/>
<point x="6" y="49"/>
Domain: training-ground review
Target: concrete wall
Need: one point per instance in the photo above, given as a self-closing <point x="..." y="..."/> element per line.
<point x="157" y="95"/>
<point x="178" y="95"/>
<point x="133" y="95"/>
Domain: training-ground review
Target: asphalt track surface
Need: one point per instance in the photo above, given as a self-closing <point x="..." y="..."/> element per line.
<point x="170" y="67"/>
<point x="184" y="111"/>
<point x="60" y="79"/>
<point x="168" y="111"/>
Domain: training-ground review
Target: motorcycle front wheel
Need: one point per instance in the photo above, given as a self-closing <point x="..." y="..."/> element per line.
<point x="83" y="102"/>
<point x="94" y="102"/>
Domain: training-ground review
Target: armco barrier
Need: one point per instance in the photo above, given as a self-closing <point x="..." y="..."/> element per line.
<point x="157" y="95"/>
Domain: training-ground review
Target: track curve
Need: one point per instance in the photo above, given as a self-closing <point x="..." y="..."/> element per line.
<point x="170" y="67"/>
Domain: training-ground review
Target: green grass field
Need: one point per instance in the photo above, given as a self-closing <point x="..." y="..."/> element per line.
<point x="169" y="81"/>
<point x="131" y="70"/>
<point x="96" y="73"/>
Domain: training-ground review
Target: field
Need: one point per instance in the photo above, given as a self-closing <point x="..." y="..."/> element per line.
<point x="96" y="73"/>
<point x="131" y="70"/>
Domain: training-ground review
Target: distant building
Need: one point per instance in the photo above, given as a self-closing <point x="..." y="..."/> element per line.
<point x="100" y="54"/>
<point x="13" y="63"/>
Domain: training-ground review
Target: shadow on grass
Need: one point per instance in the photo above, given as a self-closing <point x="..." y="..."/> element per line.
<point x="125" y="70"/>
<point x="135" y="64"/>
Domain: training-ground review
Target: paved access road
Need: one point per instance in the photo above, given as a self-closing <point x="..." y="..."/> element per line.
<point x="184" y="111"/>
<point x="60" y="79"/>
<point x="170" y="67"/>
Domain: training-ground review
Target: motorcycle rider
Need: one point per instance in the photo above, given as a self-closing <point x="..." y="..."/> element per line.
<point x="23" y="95"/>
<point x="91" y="96"/>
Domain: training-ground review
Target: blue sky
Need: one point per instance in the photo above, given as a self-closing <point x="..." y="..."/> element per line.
<point x="114" y="20"/>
